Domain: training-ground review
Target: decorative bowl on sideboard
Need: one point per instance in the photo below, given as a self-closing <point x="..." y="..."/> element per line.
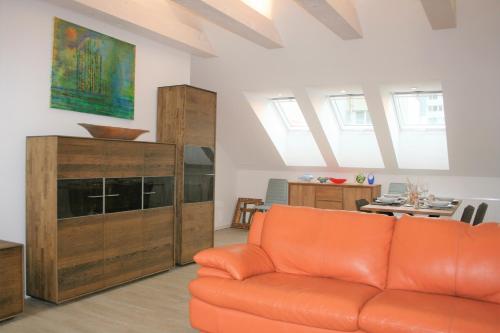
<point x="111" y="132"/>
<point x="338" y="180"/>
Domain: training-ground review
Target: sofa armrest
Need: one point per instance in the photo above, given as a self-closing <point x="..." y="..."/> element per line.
<point x="241" y="261"/>
<point x="213" y="272"/>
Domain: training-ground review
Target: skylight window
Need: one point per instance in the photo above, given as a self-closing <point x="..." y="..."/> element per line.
<point x="417" y="125"/>
<point x="291" y="114"/>
<point x="351" y="112"/>
<point x="420" y="110"/>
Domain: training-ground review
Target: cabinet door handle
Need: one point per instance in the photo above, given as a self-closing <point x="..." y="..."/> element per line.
<point x="146" y="193"/>
<point x="112" y="195"/>
<point x="94" y="196"/>
<point x="209" y="174"/>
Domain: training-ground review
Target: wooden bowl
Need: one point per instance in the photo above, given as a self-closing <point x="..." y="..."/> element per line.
<point x="110" y="132"/>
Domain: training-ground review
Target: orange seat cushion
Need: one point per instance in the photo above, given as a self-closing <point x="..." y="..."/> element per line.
<point x="446" y="257"/>
<point x="213" y="319"/>
<point x="398" y="311"/>
<point x="309" y="301"/>
<point x="345" y="245"/>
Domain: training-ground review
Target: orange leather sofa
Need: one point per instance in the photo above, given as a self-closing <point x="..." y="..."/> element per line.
<point x="323" y="271"/>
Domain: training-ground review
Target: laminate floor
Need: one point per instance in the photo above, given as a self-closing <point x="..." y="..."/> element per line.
<point x="155" y="304"/>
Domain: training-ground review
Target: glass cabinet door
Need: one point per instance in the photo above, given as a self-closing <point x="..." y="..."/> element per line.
<point x="79" y="197"/>
<point x="123" y="194"/>
<point x="198" y="174"/>
<point x="158" y="192"/>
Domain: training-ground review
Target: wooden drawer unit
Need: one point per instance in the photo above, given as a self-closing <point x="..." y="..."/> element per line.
<point x="302" y="195"/>
<point x="91" y="222"/>
<point x="79" y="158"/>
<point x="11" y="280"/>
<point x="329" y="193"/>
<point x="330" y="196"/>
<point x="123" y="159"/>
<point x="329" y="204"/>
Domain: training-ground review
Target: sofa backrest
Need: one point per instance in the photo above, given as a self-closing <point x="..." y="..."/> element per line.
<point x="350" y="246"/>
<point x="446" y="257"/>
<point x="255" y="232"/>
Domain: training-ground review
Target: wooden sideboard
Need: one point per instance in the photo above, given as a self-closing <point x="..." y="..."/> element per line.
<point x="11" y="279"/>
<point x="98" y="214"/>
<point x="186" y="117"/>
<point x="330" y="196"/>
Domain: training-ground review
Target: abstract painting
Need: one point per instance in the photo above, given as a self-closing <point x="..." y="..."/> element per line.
<point x="92" y="72"/>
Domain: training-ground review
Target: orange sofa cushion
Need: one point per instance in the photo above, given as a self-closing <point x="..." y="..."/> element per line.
<point x="349" y="246"/>
<point x="303" y="300"/>
<point x="446" y="257"/>
<point x="213" y="319"/>
<point x="239" y="260"/>
<point x="397" y="311"/>
<point x="478" y="265"/>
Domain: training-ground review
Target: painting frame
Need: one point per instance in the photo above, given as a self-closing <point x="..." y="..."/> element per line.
<point x="92" y="72"/>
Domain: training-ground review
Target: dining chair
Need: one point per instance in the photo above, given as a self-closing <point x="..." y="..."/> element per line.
<point x="467" y="214"/>
<point x="277" y="193"/>
<point x="360" y="203"/>
<point x="397" y="188"/>
<point x="363" y="202"/>
<point x="480" y="213"/>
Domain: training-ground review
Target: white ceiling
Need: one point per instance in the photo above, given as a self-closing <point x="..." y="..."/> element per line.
<point x="398" y="49"/>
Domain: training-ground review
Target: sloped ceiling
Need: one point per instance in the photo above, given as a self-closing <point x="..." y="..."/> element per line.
<point x="398" y="47"/>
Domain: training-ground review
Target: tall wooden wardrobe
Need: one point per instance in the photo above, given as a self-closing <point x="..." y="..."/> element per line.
<point x="186" y="118"/>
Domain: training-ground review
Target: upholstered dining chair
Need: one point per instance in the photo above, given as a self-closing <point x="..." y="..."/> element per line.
<point x="277" y="193"/>
<point x="467" y="214"/>
<point x="360" y="203"/>
<point x="398" y="188"/>
<point x="480" y="213"/>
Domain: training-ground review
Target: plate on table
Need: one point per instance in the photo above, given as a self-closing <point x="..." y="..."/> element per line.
<point x="440" y="204"/>
<point x="387" y="200"/>
<point x="444" y="199"/>
<point x="392" y="195"/>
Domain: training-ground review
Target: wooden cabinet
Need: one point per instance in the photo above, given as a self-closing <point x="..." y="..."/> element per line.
<point x="11" y="279"/>
<point x="330" y="196"/>
<point x="104" y="243"/>
<point x="187" y="117"/>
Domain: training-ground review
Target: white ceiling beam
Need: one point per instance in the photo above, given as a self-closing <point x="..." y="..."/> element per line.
<point x="154" y="19"/>
<point x="239" y="18"/>
<point x="441" y="13"/>
<point x="307" y="107"/>
<point x="340" y="16"/>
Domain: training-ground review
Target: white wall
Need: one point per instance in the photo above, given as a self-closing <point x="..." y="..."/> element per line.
<point x="398" y="48"/>
<point x="26" y="28"/>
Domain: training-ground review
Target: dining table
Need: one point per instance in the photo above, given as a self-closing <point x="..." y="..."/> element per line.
<point x="375" y="207"/>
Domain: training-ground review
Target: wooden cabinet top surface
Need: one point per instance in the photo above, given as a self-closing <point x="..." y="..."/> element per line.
<point x="90" y="138"/>
<point x="187" y="86"/>
<point x="8" y="245"/>
<point x="334" y="185"/>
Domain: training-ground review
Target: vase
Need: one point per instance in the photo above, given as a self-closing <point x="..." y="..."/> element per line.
<point x="360" y="179"/>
